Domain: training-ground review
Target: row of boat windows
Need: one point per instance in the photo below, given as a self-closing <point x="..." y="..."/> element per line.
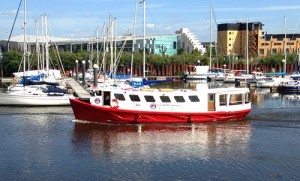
<point x="163" y="98"/>
<point x="233" y="99"/>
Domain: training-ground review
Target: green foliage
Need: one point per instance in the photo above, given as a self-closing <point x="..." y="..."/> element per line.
<point x="11" y="61"/>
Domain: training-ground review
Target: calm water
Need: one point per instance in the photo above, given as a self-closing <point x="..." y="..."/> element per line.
<point x="44" y="143"/>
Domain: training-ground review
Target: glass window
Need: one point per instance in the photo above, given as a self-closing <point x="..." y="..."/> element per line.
<point x="261" y="51"/>
<point x="223" y="99"/>
<point x="120" y="97"/>
<point x="211" y="97"/>
<point x="236" y="99"/>
<point x="134" y="98"/>
<point x="194" y="98"/>
<point x="149" y="98"/>
<point x="165" y="99"/>
<point x="179" y="98"/>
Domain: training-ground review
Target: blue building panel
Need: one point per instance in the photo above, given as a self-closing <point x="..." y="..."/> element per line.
<point x="165" y="45"/>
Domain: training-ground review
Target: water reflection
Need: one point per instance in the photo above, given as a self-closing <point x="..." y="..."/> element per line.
<point x="128" y="142"/>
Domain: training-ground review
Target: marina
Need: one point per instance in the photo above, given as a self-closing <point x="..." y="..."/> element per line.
<point x="47" y="143"/>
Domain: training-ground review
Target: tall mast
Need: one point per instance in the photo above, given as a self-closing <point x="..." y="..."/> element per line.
<point x="210" y="44"/>
<point x="144" y="37"/>
<point x="284" y="62"/>
<point x="133" y="40"/>
<point x="37" y="46"/>
<point x="24" y="43"/>
<point x="46" y="45"/>
<point x="111" y="44"/>
<point x="247" y="47"/>
<point x="97" y="46"/>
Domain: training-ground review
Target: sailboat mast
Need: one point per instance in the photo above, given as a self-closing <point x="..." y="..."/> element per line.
<point x="133" y="40"/>
<point x="37" y="46"/>
<point x="97" y="45"/>
<point x="24" y="43"/>
<point x="46" y="45"/>
<point x="284" y="62"/>
<point x="144" y="37"/>
<point x="210" y="44"/>
<point x="247" y="47"/>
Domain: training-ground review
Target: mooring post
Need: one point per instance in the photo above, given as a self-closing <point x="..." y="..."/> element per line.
<point x="76" y="70"/>
<point x="96" y="68"/>
<point x="83" y="73"/>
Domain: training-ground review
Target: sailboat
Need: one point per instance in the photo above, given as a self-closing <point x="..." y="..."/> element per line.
<point x="34" y="95"/>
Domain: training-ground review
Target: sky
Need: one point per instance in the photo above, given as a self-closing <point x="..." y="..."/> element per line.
<point x="80" y="18"/>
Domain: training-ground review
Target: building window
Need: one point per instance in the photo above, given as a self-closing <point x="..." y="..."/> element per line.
<point x="287" y="50"/>
<point x="174" y="45"/>
<point x="261" y="51"/>
<point x="274" y="50"/>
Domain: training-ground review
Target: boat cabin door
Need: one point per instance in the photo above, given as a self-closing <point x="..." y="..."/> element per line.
<point x="106" y="98"/>
<point x="211" y="102"/>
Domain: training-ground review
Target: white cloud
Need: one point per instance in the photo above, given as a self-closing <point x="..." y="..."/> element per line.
<point x="150" y="26"/>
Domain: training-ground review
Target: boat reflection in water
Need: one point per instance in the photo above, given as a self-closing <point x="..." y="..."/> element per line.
<point x="162" y="142"/>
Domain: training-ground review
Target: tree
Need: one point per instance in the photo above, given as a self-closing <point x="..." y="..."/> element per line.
<point x="11" y="62"/>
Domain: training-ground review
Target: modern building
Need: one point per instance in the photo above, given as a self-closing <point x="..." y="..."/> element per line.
<point x="232" y="39"/>
<point x="156" y="44"/>
<point x="188" y="41"/>
<point x="276" y="43"/>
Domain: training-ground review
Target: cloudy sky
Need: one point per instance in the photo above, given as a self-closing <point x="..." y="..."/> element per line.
<point x="80" y="18"/>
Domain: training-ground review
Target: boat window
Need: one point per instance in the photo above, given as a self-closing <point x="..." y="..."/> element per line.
<point x="223" y="99"/>
<point x="236" y="99"/>
<point x="119" y="97"/>
<point x="211" y="97"/>
<point x="194" y="98"/>
<point x="179" y="98"/>
<point x="134" y="98"/>
<point x="149" y="98"/>
<point x="165" y="99"/>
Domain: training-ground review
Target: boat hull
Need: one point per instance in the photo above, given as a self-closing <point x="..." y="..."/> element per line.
<point x="33" y="100"/>
<point x="88" y="112"/>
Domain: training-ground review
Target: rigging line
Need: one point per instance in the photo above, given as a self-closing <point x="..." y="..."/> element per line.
<point x="13" y="24"/>
<point x="56" y="48"/>
<point x="218" y="31"/>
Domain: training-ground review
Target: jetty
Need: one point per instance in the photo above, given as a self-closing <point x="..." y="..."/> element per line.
<point x="79" y="90"/>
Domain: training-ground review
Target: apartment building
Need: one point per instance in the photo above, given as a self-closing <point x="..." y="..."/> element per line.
<point x="232" y="39"/>
<point x="276" y="43"/>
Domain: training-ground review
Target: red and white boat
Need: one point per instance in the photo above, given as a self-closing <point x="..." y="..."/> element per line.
<point x="147" y="105"/>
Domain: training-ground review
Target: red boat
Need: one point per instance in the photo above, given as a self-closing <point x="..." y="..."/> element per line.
<point x="145" y="105"/>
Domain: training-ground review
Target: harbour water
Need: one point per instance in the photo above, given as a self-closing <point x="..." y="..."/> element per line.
<point x="45" y="143"/>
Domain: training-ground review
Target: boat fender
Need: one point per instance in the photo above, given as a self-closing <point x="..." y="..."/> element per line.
<point x="70" y="91"/>
<point x="15" y="80"/>
<point x="114" y="103"/>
